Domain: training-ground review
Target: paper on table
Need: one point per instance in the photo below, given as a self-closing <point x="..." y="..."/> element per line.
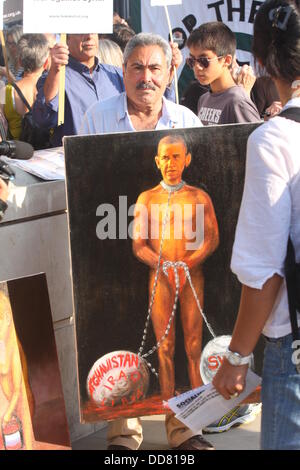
<point x="47" y="164"/>
<point x="204" y="405"/>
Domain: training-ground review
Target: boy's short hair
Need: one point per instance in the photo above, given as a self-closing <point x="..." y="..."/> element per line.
<point x="214" y="36"/>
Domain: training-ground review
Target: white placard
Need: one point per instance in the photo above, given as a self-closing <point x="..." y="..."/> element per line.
<point x="1" y="15"/>
<point x="68" y="16"/>
<point x="163" y="3"/>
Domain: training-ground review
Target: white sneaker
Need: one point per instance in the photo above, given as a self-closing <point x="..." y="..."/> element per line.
<point x="241" y="414"/>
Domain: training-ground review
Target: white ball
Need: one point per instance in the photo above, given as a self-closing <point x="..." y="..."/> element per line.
<point x="119" y="377"/>
<point x="212" y="357"/>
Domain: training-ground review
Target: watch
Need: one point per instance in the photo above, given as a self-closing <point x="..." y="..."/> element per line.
<point x="235" y="359"/>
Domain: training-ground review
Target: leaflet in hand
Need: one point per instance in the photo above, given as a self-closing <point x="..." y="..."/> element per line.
<point x="202" y="406"/>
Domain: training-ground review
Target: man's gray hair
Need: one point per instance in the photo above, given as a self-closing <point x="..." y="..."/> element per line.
<point x="33" y="50"/>
<point x="148" y="39"/>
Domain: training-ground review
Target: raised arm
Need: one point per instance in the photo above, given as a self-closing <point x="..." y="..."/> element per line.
<point x="59" y="58"/>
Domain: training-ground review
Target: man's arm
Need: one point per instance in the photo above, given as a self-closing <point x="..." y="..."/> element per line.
<point x="255" y="308"/>
<point x="59" y="58"/>
<point x="211" y="235"/>
<point x="45" y="107"/>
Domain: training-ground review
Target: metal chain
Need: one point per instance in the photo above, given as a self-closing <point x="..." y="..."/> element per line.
<point x="188" y="275"/>
<point x="155" y="348"/>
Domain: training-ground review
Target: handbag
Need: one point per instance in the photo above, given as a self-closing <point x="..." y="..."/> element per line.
<point x="292" y="268"/>
<point x="31" y="132"/>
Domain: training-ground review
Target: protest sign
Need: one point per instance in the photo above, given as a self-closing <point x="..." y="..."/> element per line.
<point x="106" y="175"/>
<point x="68" y="16"/>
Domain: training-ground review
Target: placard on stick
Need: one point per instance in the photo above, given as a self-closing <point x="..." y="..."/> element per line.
<point x="67" y="17"/>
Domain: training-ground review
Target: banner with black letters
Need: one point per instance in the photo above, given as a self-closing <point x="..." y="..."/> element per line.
<point x="237" y="14"/>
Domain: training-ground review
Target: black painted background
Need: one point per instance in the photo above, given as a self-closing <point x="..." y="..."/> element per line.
<point x="110" y="284"/>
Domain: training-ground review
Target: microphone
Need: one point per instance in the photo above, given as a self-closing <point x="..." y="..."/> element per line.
<point x="16" y="149"/>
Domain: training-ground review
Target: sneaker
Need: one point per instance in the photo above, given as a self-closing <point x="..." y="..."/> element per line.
<point x="241" y="414"/>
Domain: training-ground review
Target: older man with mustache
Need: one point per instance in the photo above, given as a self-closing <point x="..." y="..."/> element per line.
<point x="147" y="71"/>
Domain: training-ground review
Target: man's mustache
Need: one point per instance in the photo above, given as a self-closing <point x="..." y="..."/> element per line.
<point x="145" y="86"/>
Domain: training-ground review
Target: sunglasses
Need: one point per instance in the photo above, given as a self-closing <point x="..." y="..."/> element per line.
<point x="203" y="61"/>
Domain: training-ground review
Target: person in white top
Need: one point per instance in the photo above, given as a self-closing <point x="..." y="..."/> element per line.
<point x="146" y="72"/>
<point x="269" y="214"/>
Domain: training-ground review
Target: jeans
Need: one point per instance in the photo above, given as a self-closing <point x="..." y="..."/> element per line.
<point x="280" y="427"/>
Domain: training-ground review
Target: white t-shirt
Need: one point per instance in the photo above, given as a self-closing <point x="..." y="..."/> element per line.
<point x="270" y="211"/>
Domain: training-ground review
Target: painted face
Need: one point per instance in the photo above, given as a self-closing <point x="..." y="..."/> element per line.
<point x="146" y="75"/>
<point x="207" y="75"/>
<point x="83" y="47"/>
<point x="172" y="159"/>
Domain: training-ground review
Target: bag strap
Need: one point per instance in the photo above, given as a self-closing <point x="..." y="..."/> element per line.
<point x="291" y="113"/>
<point x="21" y="96"/>
<point x="290" y="260"/>
<point x="291" y="283"/>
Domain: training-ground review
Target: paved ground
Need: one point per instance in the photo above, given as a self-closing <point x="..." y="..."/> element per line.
<point x="244" y="437"/>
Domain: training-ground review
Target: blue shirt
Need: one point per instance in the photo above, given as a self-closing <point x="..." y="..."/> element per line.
<point x="82" y="90"/>
<point x="112" y="116"/>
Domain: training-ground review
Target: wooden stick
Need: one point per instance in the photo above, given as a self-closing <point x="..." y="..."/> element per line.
<point x="62" y="84"/>
<point x="172" y="42"/>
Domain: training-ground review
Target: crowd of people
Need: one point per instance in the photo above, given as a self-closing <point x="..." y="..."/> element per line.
<point x="125" y="83"/>
<point x="94" y="73"/>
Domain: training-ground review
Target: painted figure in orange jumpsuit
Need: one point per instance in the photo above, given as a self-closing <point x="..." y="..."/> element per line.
<point x="191" y="235"/>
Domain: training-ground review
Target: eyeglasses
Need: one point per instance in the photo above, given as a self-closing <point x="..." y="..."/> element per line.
<point x="10" y="43"/>
<point x="203" y="61"/>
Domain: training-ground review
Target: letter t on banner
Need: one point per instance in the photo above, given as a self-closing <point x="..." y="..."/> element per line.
<point x="165" y="3"/>
<point x="68" y="17"/>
